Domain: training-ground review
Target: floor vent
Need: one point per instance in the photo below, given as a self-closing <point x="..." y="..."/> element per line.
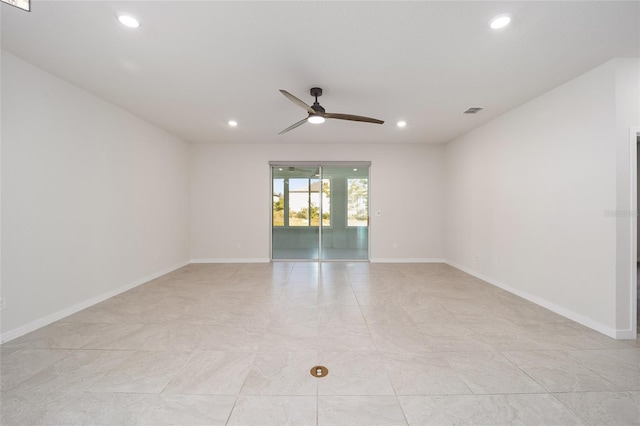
<point x="319" y="371"/>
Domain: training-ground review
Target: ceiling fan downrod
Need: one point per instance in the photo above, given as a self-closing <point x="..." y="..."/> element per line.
<point x="317" y="92"/>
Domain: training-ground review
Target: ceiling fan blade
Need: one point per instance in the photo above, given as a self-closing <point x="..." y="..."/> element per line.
<point x="293" y="126"/>
<point x="297" y="101"/>
<point x="353" y="118"/>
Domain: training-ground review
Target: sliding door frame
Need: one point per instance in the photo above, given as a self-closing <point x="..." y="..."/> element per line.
<point x="320" y="165"/>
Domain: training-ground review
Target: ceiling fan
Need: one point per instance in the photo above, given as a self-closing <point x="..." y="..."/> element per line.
<point x="317" y="113"/>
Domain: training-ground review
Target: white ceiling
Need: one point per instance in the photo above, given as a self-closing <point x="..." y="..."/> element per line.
<point x="192" y="66"/>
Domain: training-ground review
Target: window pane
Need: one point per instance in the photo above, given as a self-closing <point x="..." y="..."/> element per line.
<point x="314" y="197"/>
<point x="326" y="202"/>
<point x="298" y="202"/>
<point x="357" y="202"/>
<point x="278" y="202"/>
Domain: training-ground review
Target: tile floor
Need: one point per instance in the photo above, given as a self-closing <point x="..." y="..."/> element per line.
<point x="420" y="344"/>
<point x="283" y="254"/>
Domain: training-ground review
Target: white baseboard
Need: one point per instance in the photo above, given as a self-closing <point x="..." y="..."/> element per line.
<point x="407" y="260"/>
<point x="41" y="322"/>
<point x="581" y="319"/>
<point x="626" y="334"/>
<point x="233" y="260"/>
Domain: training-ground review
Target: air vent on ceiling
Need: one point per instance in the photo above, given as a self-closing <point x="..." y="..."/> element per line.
<point x="473" y="110"/>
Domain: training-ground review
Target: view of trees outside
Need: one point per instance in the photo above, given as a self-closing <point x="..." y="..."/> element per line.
<point x="358" y="207"/>
<point x="278" y="209"/>
<point x="304" y="202"/>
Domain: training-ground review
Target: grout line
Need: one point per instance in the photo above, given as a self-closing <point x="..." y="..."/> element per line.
<point x="576" y="413"/>
<point x="232" y="408"/>
<point x="523" y="371"/>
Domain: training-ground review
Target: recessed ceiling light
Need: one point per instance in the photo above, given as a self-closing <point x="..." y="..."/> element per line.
<point x="402" y="123"/>
<point x="128" y="21"/>
<point x="500" y="21"/>
<point x="280" y="169"/>
<point x="315" y="119"/>
<point x="232" y="123"/>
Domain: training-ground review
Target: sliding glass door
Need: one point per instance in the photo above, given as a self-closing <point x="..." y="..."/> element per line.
<point x="320" y="211"/>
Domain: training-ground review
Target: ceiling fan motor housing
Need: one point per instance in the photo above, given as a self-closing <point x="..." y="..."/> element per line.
<point x="317" y="108"/>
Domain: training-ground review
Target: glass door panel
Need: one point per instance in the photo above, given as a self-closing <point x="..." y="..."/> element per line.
<point x="296" y="212"/>
<point x="346" y="236"/>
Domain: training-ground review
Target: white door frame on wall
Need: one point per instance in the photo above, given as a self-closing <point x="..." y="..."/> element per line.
<point x="634" y="135"/>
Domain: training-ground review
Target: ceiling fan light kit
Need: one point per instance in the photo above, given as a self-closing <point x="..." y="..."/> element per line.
<point x="317" y="113"/>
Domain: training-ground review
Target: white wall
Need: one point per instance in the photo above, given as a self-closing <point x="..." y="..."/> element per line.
<point x="527" y="193"/>
<point x="230" y="197"/>
<point x="637" y="196"/>
<point x="94" y="199"/>
<point x="627" y="115"/>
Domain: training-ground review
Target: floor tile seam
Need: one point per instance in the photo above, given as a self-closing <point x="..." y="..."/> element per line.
<point x="354" y="395"/>
<point x="575" y="411"/>
<point x="613" y="384"/>
<point x="587" y="367"/>
<point x="505" y="354"/>
<point x="457" y="373"/>
<point x="71" y="352"/>
<point x="366" y="323"/>
<point x="453" y="371"/>
<point x="18" y="349"/>
<point x="235" y="403"/>
<point x="252" y="364"/>
<point x="436" y="351"/>
<point x="83" y="349"/>
<point x="604" y="349"/>
<point x="177" y="371"/>
<point x="593" y="371"/>
<point x="460" y="377"/>
<point x="542" y="391"/>
<point x="167" y="350"/>
<point x="442" y="352"/>
<point x="5" y="389"/>
<point x="100" y="392"/>
<point x="395" y="392"/>
<point x="627" y="392"/>
<point x="436" y="394"/>
<point x="274" y="395"/>
<point x="448" y="310"/>
<point x="479" y="395"/>
<point x="524" y="372"/>
<point x="463" y="379"/>
<point x="61" y="348"/>
<point x="161" y="393"/>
